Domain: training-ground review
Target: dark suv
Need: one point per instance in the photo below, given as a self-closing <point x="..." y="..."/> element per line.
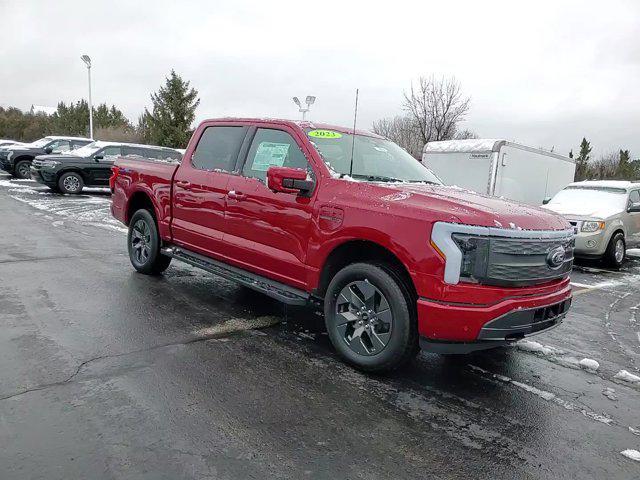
<point x="16" y="159"/>
<point x="90" y="165"/>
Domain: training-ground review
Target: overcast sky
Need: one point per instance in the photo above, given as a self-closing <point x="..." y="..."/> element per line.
<point x="545" y="74"/>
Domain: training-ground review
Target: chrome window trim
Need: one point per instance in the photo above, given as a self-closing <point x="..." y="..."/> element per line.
<point x="441" y="237"/>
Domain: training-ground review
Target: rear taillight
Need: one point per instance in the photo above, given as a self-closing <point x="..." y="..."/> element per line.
<point x="115" y="171"/>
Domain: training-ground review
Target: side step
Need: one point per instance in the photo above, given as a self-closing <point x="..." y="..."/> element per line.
<point x="272" y="288"/>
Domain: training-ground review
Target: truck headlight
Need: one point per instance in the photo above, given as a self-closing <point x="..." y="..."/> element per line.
<point x="591" y="226"/>
<point x="49" y="163"/>
<point x="475" y="253"/>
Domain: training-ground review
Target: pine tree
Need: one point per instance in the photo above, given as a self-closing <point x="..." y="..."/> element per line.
<point x="169" y="122"/>
<point x="571" y="153"/>
<point x="582" y="160"/>
<point x="626" y="170"/>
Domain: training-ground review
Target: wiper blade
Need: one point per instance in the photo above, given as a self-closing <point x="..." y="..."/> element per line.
<point x="377" y="178"/>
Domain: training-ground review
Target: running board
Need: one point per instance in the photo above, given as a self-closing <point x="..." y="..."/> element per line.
<point x="272" y="288"/>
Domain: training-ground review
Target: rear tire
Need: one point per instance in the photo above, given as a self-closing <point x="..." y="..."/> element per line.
<point x="144" y="244"/>
<point x="71" y="183"/>
<point x="22" y="169"/>
<point x="369" y="318"/>
<point x="616" y="251"/>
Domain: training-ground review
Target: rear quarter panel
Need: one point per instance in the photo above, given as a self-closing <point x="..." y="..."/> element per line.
<point x="152" y="178"/>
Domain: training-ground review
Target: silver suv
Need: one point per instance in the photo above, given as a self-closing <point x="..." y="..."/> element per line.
<point x="605" y="215"/>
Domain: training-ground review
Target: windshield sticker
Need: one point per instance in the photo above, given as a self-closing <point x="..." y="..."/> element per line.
<point x="324" y="134"/>
<point x="270" y="154"/>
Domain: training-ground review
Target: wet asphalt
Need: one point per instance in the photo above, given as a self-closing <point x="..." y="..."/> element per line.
<point x="108" y="374"/>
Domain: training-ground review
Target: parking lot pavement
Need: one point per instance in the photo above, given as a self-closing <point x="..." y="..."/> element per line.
<point x="105" y="373"/>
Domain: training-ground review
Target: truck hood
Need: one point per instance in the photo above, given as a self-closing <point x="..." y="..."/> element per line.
<point x="471" y="208"/>
<point x="585" y="210"/>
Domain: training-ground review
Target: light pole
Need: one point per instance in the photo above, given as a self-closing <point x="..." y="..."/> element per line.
<point x="87" y="61"/>
<point x="309" y="101"/>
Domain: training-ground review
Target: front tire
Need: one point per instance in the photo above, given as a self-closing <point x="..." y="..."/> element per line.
<point x="71" y="183"/>
<point x="369" y="319"/>
<point x="144" y="243"/>
<point x="616" y="251"/>
<point x="23" y="169"/>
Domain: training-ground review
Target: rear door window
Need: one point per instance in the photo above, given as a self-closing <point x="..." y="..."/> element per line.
<point x="109" y="154"/>
<point x="273" y="148"/>
<point x="59" y="146"/>
<point x="218" y="148"/>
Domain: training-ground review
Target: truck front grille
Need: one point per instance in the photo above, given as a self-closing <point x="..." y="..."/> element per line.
<point x="518" y="262"/>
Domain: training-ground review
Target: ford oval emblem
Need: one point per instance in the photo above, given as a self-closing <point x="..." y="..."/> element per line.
<point x="555" y="258"/>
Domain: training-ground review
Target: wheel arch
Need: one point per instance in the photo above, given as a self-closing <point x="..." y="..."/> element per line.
<point x="140" y="199"/>
<point x="355" y="251"/>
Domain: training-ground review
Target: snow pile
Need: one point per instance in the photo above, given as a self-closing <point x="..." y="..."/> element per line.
<point x="632" y="454"/>
<point x="626" y="376"/>
<point x="610" y="393"/>
<point x="635" y="431"/>
<point x="535" y="347"/>
<point x="633" y="252"/>
<point x="589" y="364"/>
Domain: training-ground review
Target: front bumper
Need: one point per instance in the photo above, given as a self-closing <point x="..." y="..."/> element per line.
<point x="42" y="176"/>
<point x="462" y="328"/>
<point x="6" y="164"/>
<point x="591" y="244"/>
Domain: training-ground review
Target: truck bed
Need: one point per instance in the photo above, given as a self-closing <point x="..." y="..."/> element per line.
<point x="135" y="174"/>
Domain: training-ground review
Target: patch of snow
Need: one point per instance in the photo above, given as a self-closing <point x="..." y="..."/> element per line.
<point x="396" y="197"/>
<point x="635" y="431"/>
<point x="610" y="393"/>
<point x="589" y="364"/>
<point x="632" y="454"/>
<point x="626" y="376"/>
<point x="536" y="391"/>
<point x="535" y="347"/>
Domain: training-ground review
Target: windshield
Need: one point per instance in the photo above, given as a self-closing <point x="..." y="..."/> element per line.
<point x="40" y="143"/>
<point x="578" y="199"/>
<point x="374" y="159"/>
<point x="85" y="151"/>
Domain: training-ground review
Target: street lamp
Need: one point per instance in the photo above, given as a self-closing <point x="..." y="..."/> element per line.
<point x="87" y="61"/>
<point x="309" y="101"/>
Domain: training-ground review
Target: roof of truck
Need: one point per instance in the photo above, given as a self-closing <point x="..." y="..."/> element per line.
<point x="473" y="145"/>
<point x="304" y="124"/>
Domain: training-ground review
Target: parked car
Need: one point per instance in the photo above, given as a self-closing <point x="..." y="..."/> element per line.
<point x="605" y="215"/>
<point x="90" y="166"/>
<point x="5" y="142"/>
<point x="500" y="168"/>
<point x="16" y="160"/>
<point x="307" y="212"/>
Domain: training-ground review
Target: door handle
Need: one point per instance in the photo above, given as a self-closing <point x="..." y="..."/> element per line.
<point x="236" y="195"/>
<point x="183" y="183"/>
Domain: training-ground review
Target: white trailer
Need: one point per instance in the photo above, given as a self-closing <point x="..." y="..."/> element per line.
<point x="500" y="168"/>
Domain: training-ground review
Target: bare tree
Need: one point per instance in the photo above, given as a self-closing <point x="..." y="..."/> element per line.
<point x="436" y="106"/>
<point x="465" y="135"/>
<point x="400" y="130"/>
<point x="604" y="168"/>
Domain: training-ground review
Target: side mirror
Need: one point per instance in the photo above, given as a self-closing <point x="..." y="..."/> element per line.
<point x="48" y="150"/>
<point x="98" y="157"/>
<point x="546" y="200"/>
<point x="634" y="207"/>
<point x="289" y="180"/>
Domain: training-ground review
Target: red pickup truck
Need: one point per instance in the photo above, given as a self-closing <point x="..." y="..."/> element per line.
<point x="314" y="213"/>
